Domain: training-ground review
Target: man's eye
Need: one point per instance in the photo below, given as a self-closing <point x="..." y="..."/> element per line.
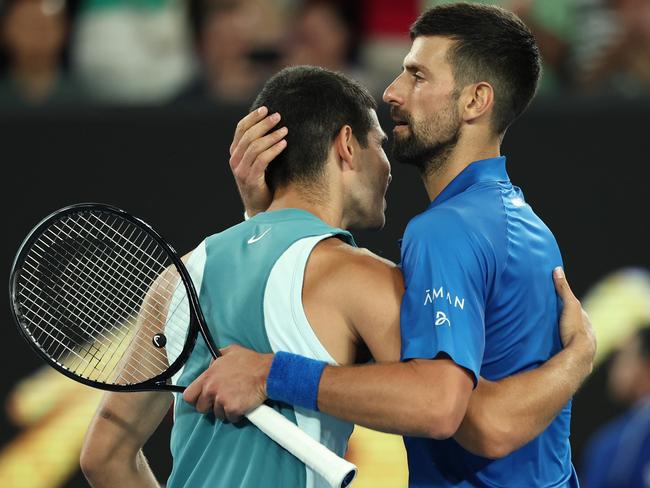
<point x="417" y="77"/>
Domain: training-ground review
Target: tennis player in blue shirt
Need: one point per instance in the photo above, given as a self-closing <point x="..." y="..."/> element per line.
<point x="476" y="265"/>
<point x="475" y="262"/>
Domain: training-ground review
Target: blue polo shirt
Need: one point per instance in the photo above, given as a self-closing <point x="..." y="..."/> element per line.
<point x="478" y="269"/>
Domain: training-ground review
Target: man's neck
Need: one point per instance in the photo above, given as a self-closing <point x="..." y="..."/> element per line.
<point x="460" y="158"/>
<point x="321" y="208"/>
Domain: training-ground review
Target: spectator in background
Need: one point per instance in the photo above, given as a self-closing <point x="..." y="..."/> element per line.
<point x="553" y="23"/>
<point x="326" y="33"/>
<point x="33" y="36"/>
<point x="618" y="455"/>
<point x="132" y="51"/>
<point x="613" y="49"/>
<point x="238" y="45"/>
<point x="386" y="24"/>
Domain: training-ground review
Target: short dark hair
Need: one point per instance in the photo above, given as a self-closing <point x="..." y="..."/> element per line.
<point x="492" y="45"/>
<point x="315" y="104"/>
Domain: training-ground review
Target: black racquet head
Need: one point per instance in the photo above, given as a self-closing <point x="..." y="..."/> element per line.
<point x="104" y="299"/>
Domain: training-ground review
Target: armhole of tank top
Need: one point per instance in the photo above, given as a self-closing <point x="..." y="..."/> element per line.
<point x="283" y="296"/>
<point x="288" y="329"/>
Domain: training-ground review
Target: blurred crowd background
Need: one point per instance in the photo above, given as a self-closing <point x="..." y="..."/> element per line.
<point x="156" y="52"/>
<point x="66" y="64"/>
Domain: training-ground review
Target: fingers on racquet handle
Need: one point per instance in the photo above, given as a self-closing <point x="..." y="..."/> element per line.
<point x="338" y="472"/>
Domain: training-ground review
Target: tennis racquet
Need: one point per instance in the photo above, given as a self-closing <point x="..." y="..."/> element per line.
<point x="103" y="299"/>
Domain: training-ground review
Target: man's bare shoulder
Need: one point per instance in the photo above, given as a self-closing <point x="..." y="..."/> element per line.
<point x="344" y="264"/>
<point x="359" y="291"/>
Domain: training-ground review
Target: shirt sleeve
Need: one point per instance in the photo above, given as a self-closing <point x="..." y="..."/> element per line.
<point x="446" y="270"/>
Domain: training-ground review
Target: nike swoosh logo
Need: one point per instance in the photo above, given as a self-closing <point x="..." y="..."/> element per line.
<point x="254" y="239"/>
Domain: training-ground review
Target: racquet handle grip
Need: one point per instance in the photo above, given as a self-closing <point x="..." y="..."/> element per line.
<point x="338" y="472"/>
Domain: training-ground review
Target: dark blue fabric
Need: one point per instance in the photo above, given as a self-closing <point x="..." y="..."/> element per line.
<point x="619" y="453"/>
<point x="294" y="379"/>
<point x="478" y="267"/>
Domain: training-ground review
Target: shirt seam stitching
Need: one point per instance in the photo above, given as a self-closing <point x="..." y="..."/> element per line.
<point x="508" y="244"/>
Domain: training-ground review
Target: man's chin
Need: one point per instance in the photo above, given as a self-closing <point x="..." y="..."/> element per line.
<point x="406" y="158"/>
<point x="408" y="151"/>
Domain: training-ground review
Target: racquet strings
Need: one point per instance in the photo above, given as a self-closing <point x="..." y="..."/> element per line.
<point x="101" y="297"/>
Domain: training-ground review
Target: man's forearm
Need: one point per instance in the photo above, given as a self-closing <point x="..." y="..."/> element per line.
<point x="416" y="398"/>
<point x="505" y="415"/>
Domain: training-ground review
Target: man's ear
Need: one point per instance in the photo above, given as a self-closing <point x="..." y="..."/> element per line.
<point x="344" y="147"/>
<point x="478" y="100"/>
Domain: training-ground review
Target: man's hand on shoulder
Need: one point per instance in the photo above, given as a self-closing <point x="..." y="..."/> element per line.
<point x="576" y="331"/>
<point x="253" y="148"/>
<point x="505" y="415"/>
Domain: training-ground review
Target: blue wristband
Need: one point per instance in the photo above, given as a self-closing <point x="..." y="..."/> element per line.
<point x="294" y="379"/>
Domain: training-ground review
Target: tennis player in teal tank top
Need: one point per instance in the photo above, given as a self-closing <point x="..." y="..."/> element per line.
<point x="233" y="269"/>
<point x="255" y="282"/>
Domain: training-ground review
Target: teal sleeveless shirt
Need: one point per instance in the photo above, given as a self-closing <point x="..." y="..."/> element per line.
<point x="233" y="272"/>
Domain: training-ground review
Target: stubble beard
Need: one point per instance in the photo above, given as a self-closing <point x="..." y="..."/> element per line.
<point x="424" y="150"/>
